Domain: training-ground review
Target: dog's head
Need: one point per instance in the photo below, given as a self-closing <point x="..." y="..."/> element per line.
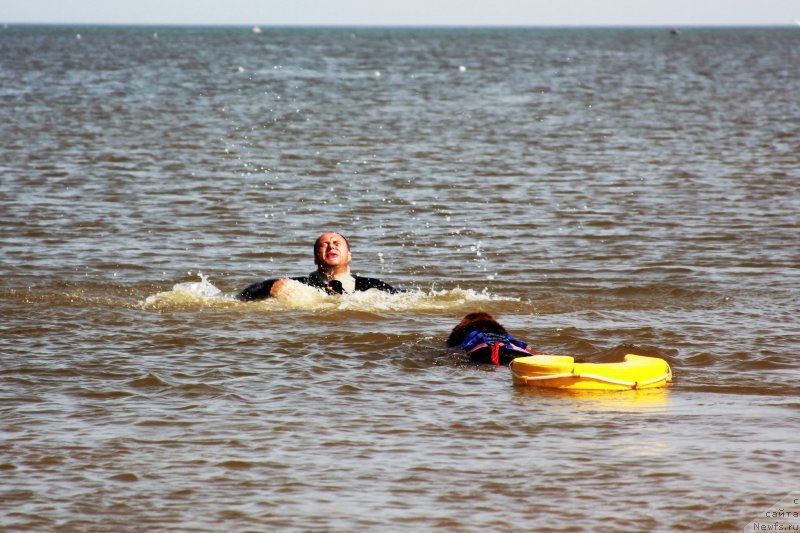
<point x="478" y="321"/>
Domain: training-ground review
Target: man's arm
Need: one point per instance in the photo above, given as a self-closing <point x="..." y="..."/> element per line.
<point x="264" y="289"/>
<point x="364" y="284"/>
<point x="256" y="291"/>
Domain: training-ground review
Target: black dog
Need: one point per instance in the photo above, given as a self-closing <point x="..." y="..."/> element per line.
<point x="485" y="340"/>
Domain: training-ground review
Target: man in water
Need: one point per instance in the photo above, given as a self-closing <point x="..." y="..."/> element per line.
<point x="332" y="257"/>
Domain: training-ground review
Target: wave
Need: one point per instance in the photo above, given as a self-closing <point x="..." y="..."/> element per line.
<point x="203" y="293"/>
<point x="191" y="292"/>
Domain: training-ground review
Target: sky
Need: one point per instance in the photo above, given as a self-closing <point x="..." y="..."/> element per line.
<point x="406" y="12"/>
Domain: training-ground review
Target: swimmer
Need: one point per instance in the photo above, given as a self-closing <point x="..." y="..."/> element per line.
<point x="332" y="257"/>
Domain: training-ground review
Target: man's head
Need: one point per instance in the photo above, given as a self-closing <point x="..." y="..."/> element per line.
<point x="332" y="251"/>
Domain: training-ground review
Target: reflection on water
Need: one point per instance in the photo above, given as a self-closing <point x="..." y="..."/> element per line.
<point x="576" y="401"/>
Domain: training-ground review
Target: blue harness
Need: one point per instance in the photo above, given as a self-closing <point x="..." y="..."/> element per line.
<point x="495" y="342"/>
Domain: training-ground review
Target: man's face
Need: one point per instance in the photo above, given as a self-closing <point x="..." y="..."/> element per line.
<point x="332" y="251"/>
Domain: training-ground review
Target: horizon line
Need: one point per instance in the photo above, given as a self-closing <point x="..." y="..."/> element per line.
<point x="403" y="26"/>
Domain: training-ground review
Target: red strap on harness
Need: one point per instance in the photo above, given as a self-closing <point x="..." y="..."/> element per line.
<point x="495" y="348"/>
<point x="496" y="353"/>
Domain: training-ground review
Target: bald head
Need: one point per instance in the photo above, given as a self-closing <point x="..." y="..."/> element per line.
<point x="332" y="252"/>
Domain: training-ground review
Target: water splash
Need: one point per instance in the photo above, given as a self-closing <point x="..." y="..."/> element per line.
<point x="204" y="294"/>
<point x="432" y="300"/>
<point x="190" y="292"/>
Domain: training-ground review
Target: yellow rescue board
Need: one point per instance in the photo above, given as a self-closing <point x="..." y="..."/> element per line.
<point x="562" y="372"/>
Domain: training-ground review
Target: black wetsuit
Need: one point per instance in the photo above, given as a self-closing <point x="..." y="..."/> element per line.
<point x="260" y="290"/>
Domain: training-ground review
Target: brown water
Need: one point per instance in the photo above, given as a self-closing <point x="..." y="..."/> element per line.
<point x="601" y="191"/>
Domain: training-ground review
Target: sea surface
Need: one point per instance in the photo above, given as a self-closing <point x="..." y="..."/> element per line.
<point x="601" y="191"/>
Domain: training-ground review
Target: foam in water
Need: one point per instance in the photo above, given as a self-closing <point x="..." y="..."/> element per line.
<point x="204" y="293"/>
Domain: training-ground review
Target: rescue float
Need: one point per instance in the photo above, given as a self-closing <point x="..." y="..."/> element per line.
<point x="562" y="372"/>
